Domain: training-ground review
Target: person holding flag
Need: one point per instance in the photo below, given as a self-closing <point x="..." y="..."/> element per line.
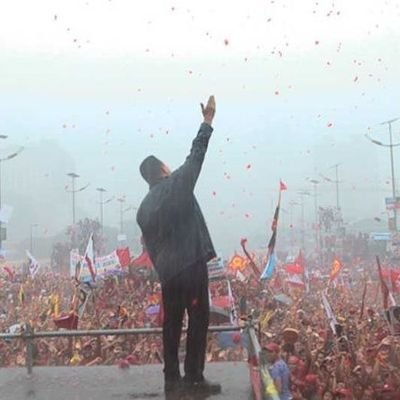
<point x="271" y="259"/>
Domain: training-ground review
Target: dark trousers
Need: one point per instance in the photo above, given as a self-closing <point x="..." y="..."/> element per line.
<point x="188" y="290"/>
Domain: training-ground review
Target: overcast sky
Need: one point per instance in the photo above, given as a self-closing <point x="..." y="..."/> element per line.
<point x="298" y="84"/>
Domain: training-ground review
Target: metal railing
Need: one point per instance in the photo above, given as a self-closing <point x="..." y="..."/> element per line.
<point x="259" y="376"/>
<point x="29" y="335"/>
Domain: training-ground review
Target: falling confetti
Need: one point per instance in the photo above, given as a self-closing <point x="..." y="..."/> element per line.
<point x="330" y="125"/>
<point x="214" y="193"/>
<point x="226" y="42"/>
<point x="316" y="42"/>
<point x="355" y="79"/>
<point x="248" y="166"/>
<point x="276" y="93"/>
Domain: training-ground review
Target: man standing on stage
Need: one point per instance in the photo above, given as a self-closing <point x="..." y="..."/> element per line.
<point x="179" y="245"/>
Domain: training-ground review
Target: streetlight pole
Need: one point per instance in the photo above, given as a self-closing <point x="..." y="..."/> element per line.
<point x="101" y="192"/>
<point x="121" y="201"/>
<point x="390" y="145"/>
<point x="73" y="177"/>
<point x="303" y="193"/>
<point x="2" y="159"/>
<point x="337" y="186"/>
<point x="315" y="183"/>
<point x="102" y="202"/>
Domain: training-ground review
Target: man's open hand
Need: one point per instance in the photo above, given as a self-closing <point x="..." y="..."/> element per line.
<point x="209" y="110"/>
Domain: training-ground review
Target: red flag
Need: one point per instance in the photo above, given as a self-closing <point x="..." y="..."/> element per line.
<point x="294" y="269"/>
<point x="282" y="186"/>
<point x="143" y="260"/>
<point x="124" y="256"/>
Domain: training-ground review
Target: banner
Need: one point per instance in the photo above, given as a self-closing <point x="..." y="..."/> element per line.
<point x="105" y="265"/>
<point x="216" y="268"/>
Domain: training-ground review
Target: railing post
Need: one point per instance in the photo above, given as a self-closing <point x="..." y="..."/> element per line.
<point x="29" y="347"/>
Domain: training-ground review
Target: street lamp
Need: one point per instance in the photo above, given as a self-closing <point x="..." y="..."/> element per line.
<point x="74" y="176"/>
<point x="390" y="145"/>
<point x="122" y="211"/>
<point x="2" y="159"/>
<point x="303" y="193"/>
<point x="31" y="237"/>
<point x="102" y="202"/>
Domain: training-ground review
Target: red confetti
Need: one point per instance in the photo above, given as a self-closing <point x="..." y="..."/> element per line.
<point x="214" y="193"/>
<point x="226" y="42"/>
<point x="316" y="42"/>
<point x="330" y="125"/>
<point x="247" y="215"/>
<point x="190" y="72"/>
<point x="195" y="301"/>
<point x="355" y="79"/>
<point x="248" y="166"/>
<point x="276" y="93"/>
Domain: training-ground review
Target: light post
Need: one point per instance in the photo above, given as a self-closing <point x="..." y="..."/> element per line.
<point x="303" y="193"/>
<point x="74" y="176"/>
<point x="2" y="159"/>
<point x="121" y="201"/>
<point x="31" y="237"/>
<point x="317" y="236"/>
<point x="102" y="202"/>
<point x="390" y="145"/>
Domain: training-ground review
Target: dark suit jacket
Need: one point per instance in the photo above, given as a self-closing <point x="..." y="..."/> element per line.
<point x="172" y="224"/>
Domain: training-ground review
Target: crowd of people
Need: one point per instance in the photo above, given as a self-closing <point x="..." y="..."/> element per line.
<point x="356" y="359"/>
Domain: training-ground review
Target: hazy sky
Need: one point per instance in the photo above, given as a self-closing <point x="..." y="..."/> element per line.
<point x="298" y="84"/>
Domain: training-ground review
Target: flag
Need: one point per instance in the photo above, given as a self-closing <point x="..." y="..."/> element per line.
<point x="89" y="257"/>
<point x="335" y="269"/>
<point x="296" y="280"/>
<point x="33" y="264"/>
<point x="271" y="259"/>
<point x="282" y="186"/>
<point x="384" y="286"/>
<point x="143" y="260"/>
<point x="269" y="267"/>
<point x="237" y="263"/>
<point x="124" y="256"/>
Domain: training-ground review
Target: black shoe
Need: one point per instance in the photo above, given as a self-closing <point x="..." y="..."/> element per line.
<point x="172" y="385"/>
<point x="202" y="386"/>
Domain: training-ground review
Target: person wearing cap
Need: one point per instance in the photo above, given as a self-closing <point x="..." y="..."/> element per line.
<point x="278" y="370"/>
<point x="179" y="245"/>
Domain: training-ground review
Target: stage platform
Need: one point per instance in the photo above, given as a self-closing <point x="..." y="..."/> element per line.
<point x="112" y="383"/>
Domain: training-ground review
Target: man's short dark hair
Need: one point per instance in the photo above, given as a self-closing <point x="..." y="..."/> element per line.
<point x="151" y="168"/>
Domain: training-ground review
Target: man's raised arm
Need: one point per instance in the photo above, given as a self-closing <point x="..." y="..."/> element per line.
<point x="188" y="173"/>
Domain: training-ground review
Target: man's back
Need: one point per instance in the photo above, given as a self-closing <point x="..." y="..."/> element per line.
<point x="173" y="227"/>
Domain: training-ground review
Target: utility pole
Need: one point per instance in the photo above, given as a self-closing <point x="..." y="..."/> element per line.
<point x="31" y="237"/>
<point x="336" y="166"/>
<point x="317" y="237"/>
<point x="303" y="193"/>
<point x="390" y="145"/>
<point x="73" y="177"/>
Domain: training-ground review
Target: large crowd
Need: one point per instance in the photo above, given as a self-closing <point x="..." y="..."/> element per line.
<point x="356" y="359"/>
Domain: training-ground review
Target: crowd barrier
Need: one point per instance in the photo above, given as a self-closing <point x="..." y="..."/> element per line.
<point x="255" y="362"/>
